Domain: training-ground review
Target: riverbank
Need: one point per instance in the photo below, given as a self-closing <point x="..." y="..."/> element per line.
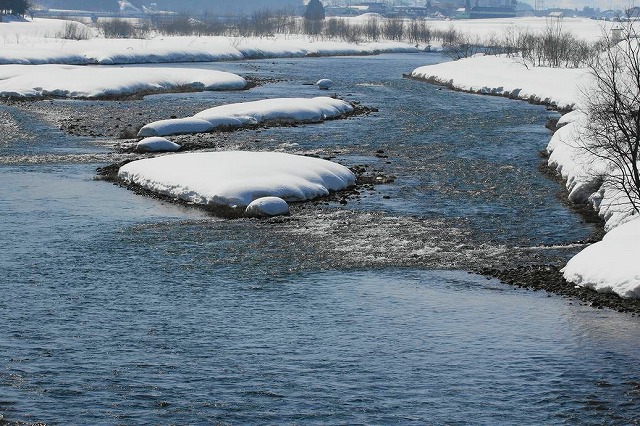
<point x="585" y="174"/>
<point x="550" y="278"/>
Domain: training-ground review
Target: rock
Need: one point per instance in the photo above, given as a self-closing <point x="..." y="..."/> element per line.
<point x="324" y="84"/>
<point x="267" y="207"/>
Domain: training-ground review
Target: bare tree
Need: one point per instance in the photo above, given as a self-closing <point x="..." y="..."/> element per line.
<point x="613" y="108"/>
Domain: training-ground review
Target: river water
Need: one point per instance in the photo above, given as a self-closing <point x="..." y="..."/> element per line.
<point x="120" y="309"/>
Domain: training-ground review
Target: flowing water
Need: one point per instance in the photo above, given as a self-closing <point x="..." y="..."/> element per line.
<point x="121" y="309"/>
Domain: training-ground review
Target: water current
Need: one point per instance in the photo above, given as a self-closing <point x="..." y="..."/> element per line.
<point x="121" y="309"/>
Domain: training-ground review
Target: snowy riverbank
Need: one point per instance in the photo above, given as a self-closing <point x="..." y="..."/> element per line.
<point x="606" y="266"/>
<point x="39" y="42"/>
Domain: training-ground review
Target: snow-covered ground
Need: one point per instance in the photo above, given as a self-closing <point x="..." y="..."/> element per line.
<point x="236" y="178"/>
<point x="610" y="265"/>
<point x="586" y="29"/>
<point x="70" y="81"/>
<point x="38" y="42"/>
<point x="278" y="110"/>
<point x="508" y="76"/>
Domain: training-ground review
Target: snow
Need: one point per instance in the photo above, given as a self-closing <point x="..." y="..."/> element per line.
<point x="610" y="265"/>
<point x="33" y="81"/>
<point x="509" y="76"/>
<point x="324" y="83"/>
<point x="251" y="113"/>
<point x="579" y="169"/>
<point x="267" y="206"/>
<point x="156" y="144"/>
<point x="236" y="178"/>
<point x="583" y="28"/>
<point x="176" y="126"/>
<point x="36" y="42"/>
<point x="588" y="177"/>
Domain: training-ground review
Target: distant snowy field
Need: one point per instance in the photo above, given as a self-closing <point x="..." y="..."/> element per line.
<point x="38" y="42"/>
<point x="587" y="29"/>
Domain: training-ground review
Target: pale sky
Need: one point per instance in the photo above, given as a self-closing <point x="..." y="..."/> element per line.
<point x="602" y="4"/>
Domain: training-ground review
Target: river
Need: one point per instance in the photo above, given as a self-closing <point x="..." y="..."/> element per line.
<point x="117" y="308"/>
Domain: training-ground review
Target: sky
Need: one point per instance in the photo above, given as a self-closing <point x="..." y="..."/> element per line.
<point x="579" y="4"/>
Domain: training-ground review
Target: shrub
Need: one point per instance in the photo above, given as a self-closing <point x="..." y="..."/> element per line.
<point x="74" y="31"/>
<point x="122" y="28"/>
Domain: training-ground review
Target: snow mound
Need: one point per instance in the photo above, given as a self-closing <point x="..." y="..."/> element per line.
<point x="267" y="206"/>
<point x="33" y="81"/>
<point x="236" y="178"/>
<point x="279" y="110"/>
<point x="324" y="83"/>
<point x="610" y="265"/>
<point x="156" y="144"/>
<point x="175" y="126"/>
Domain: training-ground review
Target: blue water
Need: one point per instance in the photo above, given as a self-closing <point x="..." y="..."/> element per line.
<point x="120" y="309"/>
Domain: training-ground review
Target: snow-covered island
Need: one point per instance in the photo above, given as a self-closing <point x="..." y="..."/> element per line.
<point x="231" y="180"/>
<point x="607" y="266"/>
<point x="266" y="111"/>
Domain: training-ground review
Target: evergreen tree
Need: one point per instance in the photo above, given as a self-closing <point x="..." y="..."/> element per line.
<point x="314" y="11"/>
<point x="14" y="7"/>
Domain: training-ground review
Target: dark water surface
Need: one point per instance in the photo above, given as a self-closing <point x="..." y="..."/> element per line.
<point x="119" y="309"/>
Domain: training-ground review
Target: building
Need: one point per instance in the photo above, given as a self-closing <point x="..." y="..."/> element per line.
<point x="493" y="9"/>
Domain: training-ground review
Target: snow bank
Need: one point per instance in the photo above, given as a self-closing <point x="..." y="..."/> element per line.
<point x="582" y="172"/>
<point x="508" y="76"/>
<point x="610" y="265"/>
<point x="32" y="81"/>
<point x="236" y="178"/>
<point x="588" y="177"/>
<point x="250" y="113"/>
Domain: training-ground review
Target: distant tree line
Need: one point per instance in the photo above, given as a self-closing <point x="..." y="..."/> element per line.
<point x="553" y="47"/>
<point x="14" y="7"/>
<point x="267" y="23"/>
